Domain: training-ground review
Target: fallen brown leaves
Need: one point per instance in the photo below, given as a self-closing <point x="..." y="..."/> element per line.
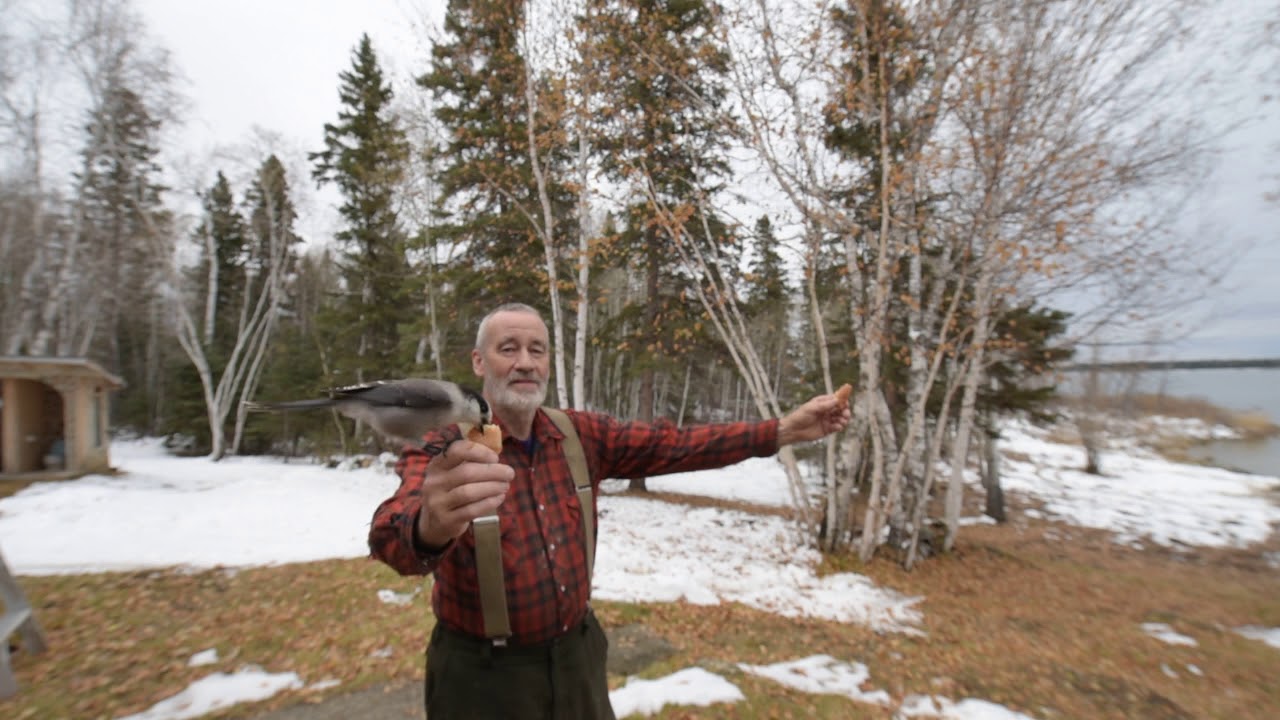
<point x="120" y="642"/>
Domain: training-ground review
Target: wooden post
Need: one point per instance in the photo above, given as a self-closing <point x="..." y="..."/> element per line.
<point x="18" y="617"/>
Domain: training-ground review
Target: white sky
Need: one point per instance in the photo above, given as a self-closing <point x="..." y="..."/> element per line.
<point x="225" y="514"/>
<point x="275" y="64"/>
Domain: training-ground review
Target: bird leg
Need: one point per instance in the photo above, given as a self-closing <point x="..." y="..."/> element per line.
<point x="489" y="435"/>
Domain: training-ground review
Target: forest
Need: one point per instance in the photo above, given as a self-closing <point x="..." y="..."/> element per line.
<point x="721" y="208"/>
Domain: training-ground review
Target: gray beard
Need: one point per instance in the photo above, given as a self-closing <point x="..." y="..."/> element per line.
<point x="503" y="397"/>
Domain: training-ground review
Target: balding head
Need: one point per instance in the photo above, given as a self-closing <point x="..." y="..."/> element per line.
<point x="483" y="331"/>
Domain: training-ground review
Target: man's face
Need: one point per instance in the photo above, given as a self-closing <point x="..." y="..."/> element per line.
<point x="514" y="360"/>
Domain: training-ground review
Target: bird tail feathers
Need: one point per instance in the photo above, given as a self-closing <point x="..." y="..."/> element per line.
<point x="288" y="405"/>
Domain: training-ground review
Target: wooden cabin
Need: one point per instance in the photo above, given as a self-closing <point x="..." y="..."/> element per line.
<point x="53" y="417"/>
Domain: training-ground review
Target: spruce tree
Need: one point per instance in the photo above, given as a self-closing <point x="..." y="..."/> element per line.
<point x="123" y="234"/>
<point x="271" y="213"/>
<point x="365" y="157"/>
<point x="767" y="303"/>
<point x="478" y="79"/>
<point x="271" y="258"/>
<point x="661" y="76"/>
<point x="222" y="231"/>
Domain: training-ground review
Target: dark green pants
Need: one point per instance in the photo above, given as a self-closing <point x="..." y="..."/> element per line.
<point x="469" y="679"/>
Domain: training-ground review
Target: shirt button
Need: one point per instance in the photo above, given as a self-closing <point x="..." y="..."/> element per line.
<point x="563" y="589"/>
<point x="553" y="546"/>
<point x="542" y="507"/>
<point x="565" y="629"/>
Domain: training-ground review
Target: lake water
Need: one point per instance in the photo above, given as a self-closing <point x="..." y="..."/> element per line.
<point x="1256" y="390"/>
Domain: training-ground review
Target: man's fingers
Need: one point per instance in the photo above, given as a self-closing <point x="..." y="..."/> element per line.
<point x="461" y="451"/>
<point x="454" y="510"/>
<point x="470" y="493"/>
<point x="478" y="509"/>
<point x="454" y="498"/>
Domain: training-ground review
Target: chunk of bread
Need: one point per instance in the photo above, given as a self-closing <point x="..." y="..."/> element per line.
<point x="489" y="436"/>
<point x="843" y="393"/>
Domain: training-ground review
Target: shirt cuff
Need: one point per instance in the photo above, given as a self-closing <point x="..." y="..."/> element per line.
<point x="768" y="436"/>
<point x="428" y="556"/>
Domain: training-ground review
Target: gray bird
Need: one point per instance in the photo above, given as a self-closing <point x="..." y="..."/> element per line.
<point x="403" y="409"/>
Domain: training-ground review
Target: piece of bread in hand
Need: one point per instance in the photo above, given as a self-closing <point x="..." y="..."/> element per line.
<point x="489" y="436"/>
<point x="843" y="393"/>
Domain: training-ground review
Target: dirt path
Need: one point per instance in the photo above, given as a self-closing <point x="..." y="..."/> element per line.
<point x="391" y="702"/>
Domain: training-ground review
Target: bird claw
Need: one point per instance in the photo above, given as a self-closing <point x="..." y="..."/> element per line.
<point x="438" y="448"/>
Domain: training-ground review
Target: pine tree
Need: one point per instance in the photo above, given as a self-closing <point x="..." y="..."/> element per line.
<point x="478" y="79"/>
<point x="270" y="258"/>
<point x="768" y="303"/>
<point x="767" y="286"/>
<point x="365" y="156"/>
<point x="123" y="231"/>
<point x="222" y="233"/>
<point x="242" y="287"/>
<point x="661" y="76"/>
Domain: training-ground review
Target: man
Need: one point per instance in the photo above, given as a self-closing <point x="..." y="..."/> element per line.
<point x="553" y="663"/>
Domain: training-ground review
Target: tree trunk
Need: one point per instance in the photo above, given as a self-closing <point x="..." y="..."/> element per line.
<point x="684" y="395"/>
<point x="645" y="409"/>
<point x="968" y="403"/>
<point x="584" y="277"/>
<point x="1089" y="424"/>
<point x="991" y="477"/>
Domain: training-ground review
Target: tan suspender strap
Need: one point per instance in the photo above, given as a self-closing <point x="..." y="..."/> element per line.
<point x="582" y="481"/>
<point x="587" y="501"/>
<point x="493" y="588"/>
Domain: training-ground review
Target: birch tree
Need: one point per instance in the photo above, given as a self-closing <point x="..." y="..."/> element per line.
<point x="1069" y="152"/>
<point x="86" y="64"/>
<point x="246" y="273"/>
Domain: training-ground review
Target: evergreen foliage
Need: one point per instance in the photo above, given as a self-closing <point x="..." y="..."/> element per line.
<point x="365" y="157"/>
<point x="478" y="80"/>
<point x="122" y="227"/>
<point x="660" y="75"/>
<point x="1025" y="349"/>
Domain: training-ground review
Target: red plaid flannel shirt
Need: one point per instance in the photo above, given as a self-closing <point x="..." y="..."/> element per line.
<point x="543" y="554"/>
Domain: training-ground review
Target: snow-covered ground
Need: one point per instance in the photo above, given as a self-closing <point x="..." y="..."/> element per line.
<point x="163" y="511"/>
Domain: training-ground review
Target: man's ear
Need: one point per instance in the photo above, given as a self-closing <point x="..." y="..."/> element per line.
<point x="477" y="363"/>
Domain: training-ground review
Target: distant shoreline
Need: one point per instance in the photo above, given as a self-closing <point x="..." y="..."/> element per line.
<point x="1247" y="424"/>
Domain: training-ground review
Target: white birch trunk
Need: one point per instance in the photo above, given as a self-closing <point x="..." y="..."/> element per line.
<point x="584" y="277"/>
<point x="545" y="226"/>
<point x="684" y="395"/>
<point x="211" y="285"/>
<point x="968" y="403"/>
<point x="721" y="305"/>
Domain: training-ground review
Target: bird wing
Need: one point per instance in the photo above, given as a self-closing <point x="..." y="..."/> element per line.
<point x="411" y="393"/>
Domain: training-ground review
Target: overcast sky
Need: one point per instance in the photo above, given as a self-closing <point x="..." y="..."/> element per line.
<point x="274" y="64"/>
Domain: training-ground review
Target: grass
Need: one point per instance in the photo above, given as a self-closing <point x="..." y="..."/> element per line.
<point x="1039" y="617"/>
